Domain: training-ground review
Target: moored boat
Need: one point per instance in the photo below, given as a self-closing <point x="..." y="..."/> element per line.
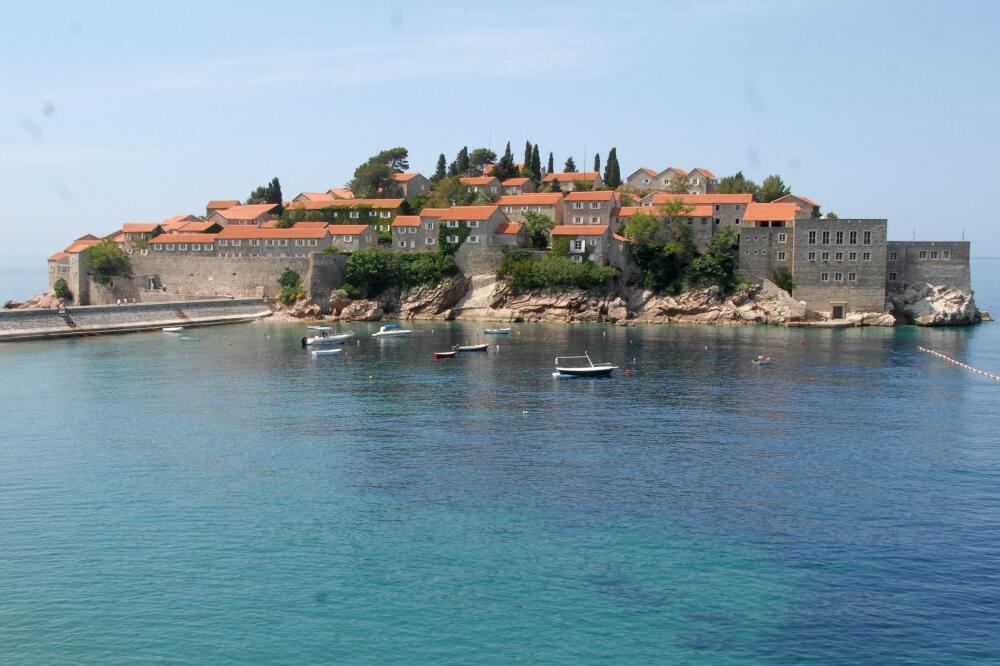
<point x="762" y="360"/>
<point x="471" y="348"/>
<point x="496" y="331"/>
<point x="325" y="336"/>
<point x="326" y="352"/>
<point x="590" y="370"/>
<point x="447" y="354"/>
<point x="391" y="331"/>
<point x="172" y="329"/>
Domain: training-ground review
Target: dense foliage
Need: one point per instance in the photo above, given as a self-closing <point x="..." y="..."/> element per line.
<point x="538" y="226"/>
<point x="525" y="270"/>
<point x="772" y="188"/>
<point x="270" y="194"/>
<point x="108" y="260"/>
<point x="61" y="290"/>
<point x="373" y="270"/>
<point x="441" y="170"/>
<point x="612" y="172"/>
<point x="570" y="165"/>
<point x="505" y="168"/>
<point x="375" y="178"/>
<point x="291" y="287"/>
<point x="783" y="278"/>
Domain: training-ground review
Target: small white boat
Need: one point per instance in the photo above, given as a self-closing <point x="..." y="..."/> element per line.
<point x="471" y="348"/>
<point x="325" y="336"/>
<point x="172" y="329"/>
<point x="590" y="370"/>
<point x="496" y="331"/>
<point x="391" y="330"/>
<point x="326" y="352"/>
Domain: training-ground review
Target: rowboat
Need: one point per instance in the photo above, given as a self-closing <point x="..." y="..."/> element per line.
<point x="324" y="336"/>
<point x="326" y="352"/>
<point x="590" y="370"/>
<point x="762" y="360"/>
<point x="172" y="329"/>
<point x="471" y="348"/>
<point x="391" y="331"/>
<point x="447" y="354"/>
<point x="496" y="331"/>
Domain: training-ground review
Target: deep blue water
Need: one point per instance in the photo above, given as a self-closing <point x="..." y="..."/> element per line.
<point x="234" y="500"/>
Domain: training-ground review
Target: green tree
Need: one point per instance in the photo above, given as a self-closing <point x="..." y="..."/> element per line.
<point x="783" y="278"/>
<point x="612" y="172"/>
<point x="662" y="246"/>
<point x="505" y="167"/>
<point x="718" y="265"/>
<point x="291" y="287"/>
<point x="527" y="157"/>
<point x="376" y="177"/>
<point x="448" y="192"/>
<point x="597" y="163"/>
<point x="772" y="188"/>
<point x="677" y="185"/>
<point x="570" y="166"/>
<point x="61" y="290"/>
<point x="108" y="260"/>
<point x="536" y="165"/>
<point x="831" y="216"/>
<point x="551" y="166"/>
<point x="267" y="194"/>
<point x="538" y="226"/>
<point x="439" y="172"/>
<point x="479" y="159"/>
<point x="736" y="184"/>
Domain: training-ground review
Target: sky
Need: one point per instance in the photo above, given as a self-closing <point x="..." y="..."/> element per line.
<point x="124" y="112"/>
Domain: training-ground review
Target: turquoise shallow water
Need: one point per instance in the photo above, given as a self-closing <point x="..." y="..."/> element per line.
<point x="234" y="500"/>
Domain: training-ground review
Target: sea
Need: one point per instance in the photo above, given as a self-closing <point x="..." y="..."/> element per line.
<point x="232" y="499"/>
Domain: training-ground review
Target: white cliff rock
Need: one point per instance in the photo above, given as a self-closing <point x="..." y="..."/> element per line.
<point x="929" y="305"/>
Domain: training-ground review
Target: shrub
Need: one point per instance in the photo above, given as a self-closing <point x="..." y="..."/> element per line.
<point x="373" y="270"/>
<point x="108" y="260"/>
<point x="523" y="271"/>
<point x="289" y="278"/>
<point x="783" y="278"/>
<point x="348" y="290"/>
<point x="61" y="290"/>
<point x="291" y="287"/>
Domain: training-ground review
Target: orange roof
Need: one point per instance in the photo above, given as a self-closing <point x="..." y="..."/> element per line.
<point x="346" y="203"/>
<point x="116" y="236"/>
<point x="476" y="180"/>
<point x="580" y="230"/>
<point x="221" y="204"/>
<point x="676" y="169"/>
<point x="247" y="212"/>
<point x="649" y="172"/>
<point x="598" y="195"/>
<point x="461" y="212"/>
<point x="301" y="224"/>
<point x="617" y="236"/>
<point x="569" y="177"/>
<point x="341" y="192"/>
<point x="348" y="229"/>
<point x="58" y="256"/>
<point x="242" y="231"/>
<point x="704" y="172"/>
<point x="184" y="238"/>
<point x="406" y="221"/>
<point x="195" y="227"/>
<point x="702" y="210"/>
<point x="801" y="197"/>
<point x="514" y="182"/>
<point x="178" y="221"/>
<point x="82" y="244"/>
<point x="666" y="197"/>
<point x="770" y="211"/>
<point x="403" y="177"/>
<point x="316" y="196"/>
<point x="531" y="199"/>
<point x="509" y="228"/>
<point x="139" y="227"/>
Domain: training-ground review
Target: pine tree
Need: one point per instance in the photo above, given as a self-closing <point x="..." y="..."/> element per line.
<point x="527" y="156"/>
<point x="597" y="163"/>
<point x="570" y="166"/>
<point x="462" y="161"/>
<point x="612" y="172"/>
<point x="536" y="164"/>
<point x="505" y="168"/>
<point x="439" y="172"/>
<point x="552" y="166"/>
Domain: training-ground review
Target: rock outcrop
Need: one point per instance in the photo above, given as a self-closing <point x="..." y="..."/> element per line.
<point x="929" y="305"/>
<point x="45" y="301"/>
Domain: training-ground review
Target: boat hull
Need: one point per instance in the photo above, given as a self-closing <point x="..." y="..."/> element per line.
<point x="472" y="348"/>
<point x="327" y="352"/>
<point x="449" y="354"/>
<point x="597" y="371"/>
<point x="497" y="331"/>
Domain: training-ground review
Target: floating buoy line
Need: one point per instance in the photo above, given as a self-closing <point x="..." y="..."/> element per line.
<point x="988" y="375"/>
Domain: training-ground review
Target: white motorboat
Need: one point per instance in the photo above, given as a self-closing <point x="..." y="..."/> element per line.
<point x="496" y="331"/>
<point x="590" y="370"/>
<point x="326" y="352"/>
<point x="391" y="331"/>
<point x="172" y="329"/>
<point x="325" y="336"/>
<point x="471" y="348"/>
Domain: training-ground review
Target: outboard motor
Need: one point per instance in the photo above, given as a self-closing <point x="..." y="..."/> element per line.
<point x="304" y="343"/>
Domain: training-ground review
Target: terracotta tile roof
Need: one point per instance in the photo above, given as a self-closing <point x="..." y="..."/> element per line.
<point x="347" y="203"/>
<point x="116" y="236"/>
<point x="139" y="227"/>
<point x="178" y="221"/>
<point x="570" y="177"/>
<point x="88" y="237"/>
<point x="649" y="172"/>
<point x="509" y="228"/>
<point x="406" y="221"/>
<point x="598" y="195"/>
<point x="82" y="244"/>
<point x="341" y="193"/>
<point x="791" y="198"/>
<point x="674" y="169"/>
<point x="242" y="231"/>
<point x="195" y="227"/>
<point x="531" y="199"/>
<point x="247" y="212"/>
<point x="184" y="238"/>
<point x="403" y="177"/>
<point x="700" y="210"/>
<point x="704" y="172"/>
<point x="59" y="256"/>
<point x="617" y="236"/>
<point x="476" y="180"/>
<point x="301" y="224"/>
<point x="461" y="212"/>
<point x="221" y="204"/>
<point x="757" y="212"/>
<point x="348" y="229"/>
<point x="316" y="196"/>
<point x="580" y="230"/>
<point x="712" y="199"/>
<point x="514" y="182"/>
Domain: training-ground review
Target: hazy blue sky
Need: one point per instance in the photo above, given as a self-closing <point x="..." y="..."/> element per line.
<point x="131" y="112"/>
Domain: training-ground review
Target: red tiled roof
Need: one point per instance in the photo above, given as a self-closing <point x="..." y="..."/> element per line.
<point x="800" y="197"/>
<point x="756" y="212"/>
<point x="58" y="256"/>
<point x="569" y="177"/>
<point x="617" y="236"/>
<point x="514" y="182"/>
<point x="509" y="228"/>
<point x="704" y="172"/>
<point x="666" y="197"/>
<point x="184" y="238"/>
<point x="348" y="229"/>
<point x="341" y="192"/>
<point x="702" y="210"/>
<point x="598" y="195"/>
<point x="580" y="230"/>
<point x="221" y="204"/>
<point x="406" y="221"/>
<point x="403" y="177"/>
<point x="195" y="227"/>
<point x="461" y="212"/>
<point x="316" y="196"/>
<point x="649" y="172"/>
<point x="247" y="212"/>
<point x="243" y="231"/>
<point x="139" y="227"/>
<point x="82" y="244"/>
<point x="178" y="221"/>
<point x="346" y="203"/>
<point x="476" y="180"/>
<point x="676" y="169"/>
<point x="531" y="199"/>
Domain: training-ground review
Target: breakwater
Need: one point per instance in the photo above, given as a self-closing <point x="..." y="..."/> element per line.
<point x="33" y="324"/>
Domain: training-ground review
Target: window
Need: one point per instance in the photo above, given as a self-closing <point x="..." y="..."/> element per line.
<point x="451" y="224"/>
<point x="781" y="256"/>
<point x="852" y="256"/>
<point x="385" y="214"/>
<point x="782" y="238"/>
<point x="429" y="226"/>
<point x="429" y="241"/>
<point x="52" y="268"/>
<point x="812" y="237"/>
<point x="170" y="247"/>
<point x="235" y="243"/>
<point x="577" y="219"/>
<point x="840" y="238"/>
<point x="299" y="242"/>
<point x="269" y="243"/>
<point x="868" y="238"/>
<point x="401" y="243"/>
<point x="348" y="239"/>
<point x="718" y="207"/>
<point x="923" y="254"/>
<point x="852" y="238"/>
<point x="716" y="221"/>
<point x="812" y="256"/>
<point x="452" y="239"/>
<point x="182" y="246"/>
<point x="354" y="214"/>
<point x="223" y="242"/>
<point x="892" y="277"/>
<point x="825" y="256"/>
<point x="254" y="242"/>
<point x="866" y="256"/>
<point x="313" y="242"/>
<point x="411" y="230"/>
<point x="577" y="205"/>
<point x="371" y="213"/>
<point x="196" y="247"/>
<point x="838" y="256"/>
<point x="473" y="239"/>
<point x="594" y="219"/>
<point x="763" y="251"/>
<point x="838" y="277"/>
<point x="282" y="242"/>
<point x="577" y="246"/>
<point x="736" y="220"/>
<point x="945" y="254"/>
<point x="473" y="224"/>
<point x="595" y="205"/>
<point x="892" y="256"/>
<point x="826" y="238"/>
<point x="157" y="248"/>
<point x="824" y="277"/>
<point x="852" y="277"/>
<point x="934" y="254"/>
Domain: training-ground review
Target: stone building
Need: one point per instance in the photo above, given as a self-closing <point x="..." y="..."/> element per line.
<point x="248" y="241"/>
<point x="410" y="233"/>
<point x="219" y="204"/>
<point x="550" y="204"/>
<point x="590" y="207"/>
<point x="412" y="184"/>
<point x="488" y="184"/>
<point x="566" y="181"/>
<point x="252" y="215"/>
<point x="586" y="241"/>
<point x="697" y="181"/>
<point x="519" y="185"/>
<point x="807" y="208"/>
<point x="727" y="209"/>
<point x="377" y="212"/>
<point x="939" y="263"/>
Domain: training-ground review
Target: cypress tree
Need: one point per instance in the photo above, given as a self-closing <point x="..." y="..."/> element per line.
<point x="439" y="172"/>
<point x="597" y="163"/>
<point x="536" y="164"/>
<point x="552" y="166"/>
<point x="612" y="172"/>
<point x="505" y="168"/>
<point x="527" y="155"/>
<point x="462" y="161"/>
<point x="570" y="166"/>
